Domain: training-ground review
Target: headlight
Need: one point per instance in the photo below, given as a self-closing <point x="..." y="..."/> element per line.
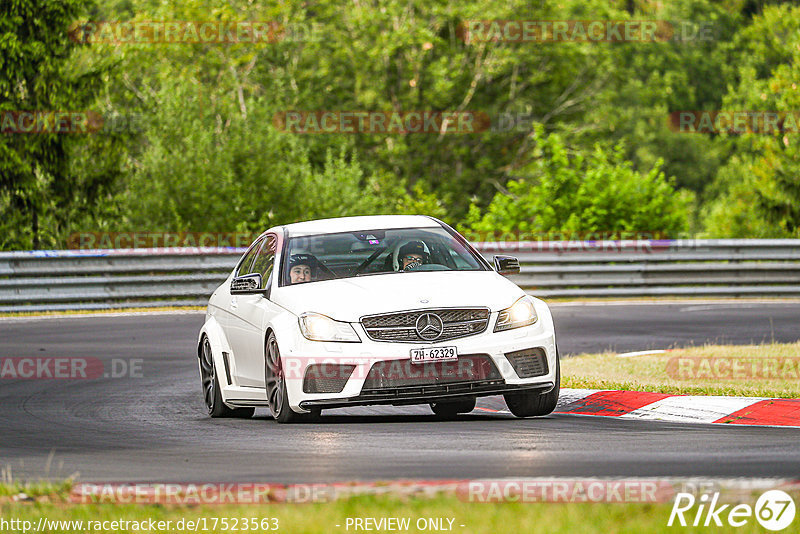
<point x="318" y="327"/>
<point x="522" y="313"/>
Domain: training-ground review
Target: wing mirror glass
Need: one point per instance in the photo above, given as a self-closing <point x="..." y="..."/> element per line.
<point x="506" y="265"/>
<point x="246" y="284"/>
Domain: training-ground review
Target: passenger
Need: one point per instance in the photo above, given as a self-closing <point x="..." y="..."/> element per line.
<point x="300" y="268"/>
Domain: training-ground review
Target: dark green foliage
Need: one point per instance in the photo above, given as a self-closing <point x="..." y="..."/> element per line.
<point x="593" y="152"/>
<point x="42" y="191"/>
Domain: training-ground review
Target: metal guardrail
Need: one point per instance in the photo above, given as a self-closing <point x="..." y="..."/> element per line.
<point x="129" y="278"/>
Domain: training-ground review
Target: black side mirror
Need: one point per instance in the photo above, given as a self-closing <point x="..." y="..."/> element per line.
<point x="506" y="265"/>
<point x="246" y="284"/>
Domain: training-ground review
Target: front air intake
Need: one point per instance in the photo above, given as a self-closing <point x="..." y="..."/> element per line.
<point x="529" y="362"/>
<point x="326" y="378"/>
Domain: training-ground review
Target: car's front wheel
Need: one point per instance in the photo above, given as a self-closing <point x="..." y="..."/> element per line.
<point x="275" y="381"/>
<point x="533" y="404"/>
<point x="212" y="394"/>
<point x="448" y="409"/>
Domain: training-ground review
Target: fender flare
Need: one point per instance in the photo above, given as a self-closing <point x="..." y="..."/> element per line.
<point x="219" y="344"/>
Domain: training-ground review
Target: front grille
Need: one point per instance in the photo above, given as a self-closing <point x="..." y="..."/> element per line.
<point x="402" y="326"/>
<point x="403" y="373"/>
<point x="529" y="362"/>
<point x="326" y="378"/>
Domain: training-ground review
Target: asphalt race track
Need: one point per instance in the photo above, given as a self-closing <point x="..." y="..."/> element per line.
<point x="153" y="427"/>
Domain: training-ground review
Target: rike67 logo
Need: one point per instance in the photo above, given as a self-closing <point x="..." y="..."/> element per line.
<point x="774" y="510"/>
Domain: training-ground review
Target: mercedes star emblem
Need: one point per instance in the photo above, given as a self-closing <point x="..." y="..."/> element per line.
<point x="429" y="326"/>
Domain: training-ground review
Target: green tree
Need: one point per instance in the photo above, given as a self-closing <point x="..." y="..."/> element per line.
<point x="648" y="81"/>
<point x="207" y="165"/>
<point x="567" y="191"/>
<point x="40" y="189"/>
<point x="209" y="157"/>
<point x="757" y="193"/>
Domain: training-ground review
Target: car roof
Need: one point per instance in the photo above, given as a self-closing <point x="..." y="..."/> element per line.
<point x="354" y="224"/>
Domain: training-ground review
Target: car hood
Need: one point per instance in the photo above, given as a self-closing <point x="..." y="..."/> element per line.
<point x="351" y="298"/>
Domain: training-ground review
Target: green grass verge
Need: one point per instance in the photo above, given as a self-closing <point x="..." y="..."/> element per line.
<point x="57" y="490"/>
<point x="95" y="312"/>
<point x="323" y="517"/>
<point x="769" y="370"/>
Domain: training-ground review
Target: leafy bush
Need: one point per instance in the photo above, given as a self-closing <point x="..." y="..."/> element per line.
<point x="572" y="191"/>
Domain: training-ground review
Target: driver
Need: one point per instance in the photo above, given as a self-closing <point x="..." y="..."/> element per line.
<point x="412" y="255"/>
<point x="300" y="268"/>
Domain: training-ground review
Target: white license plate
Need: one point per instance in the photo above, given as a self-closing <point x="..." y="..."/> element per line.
<point x="434" y="354"/>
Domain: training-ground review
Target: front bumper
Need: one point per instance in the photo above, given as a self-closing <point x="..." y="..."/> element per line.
<point x="423" y="394"/>
<point x="301" y="353"/>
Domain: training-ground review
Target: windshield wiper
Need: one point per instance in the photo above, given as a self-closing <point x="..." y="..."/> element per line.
<point x="379" y="272"/>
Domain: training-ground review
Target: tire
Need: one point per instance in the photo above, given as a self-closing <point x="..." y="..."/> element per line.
<point x="212" y="393"/>
<point x="449" y="409"/>
<point x="535" y="404"/>
<point x="274" y="380"/>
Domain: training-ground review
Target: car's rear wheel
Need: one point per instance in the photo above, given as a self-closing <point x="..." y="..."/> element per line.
<point x="212" y="394"/>
<point x="453" y="408"/>
<point x="535" y="404"/>
<point x="275" y="381"/>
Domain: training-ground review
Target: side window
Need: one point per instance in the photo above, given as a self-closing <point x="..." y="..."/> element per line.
<point x="247" y="261"/>
<point x="265" y="260"/>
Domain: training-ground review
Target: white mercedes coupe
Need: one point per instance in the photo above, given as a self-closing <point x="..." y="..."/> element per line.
<point x="391" y="309"/>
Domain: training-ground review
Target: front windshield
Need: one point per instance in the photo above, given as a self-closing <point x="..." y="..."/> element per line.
<point x="374" y="252"/>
